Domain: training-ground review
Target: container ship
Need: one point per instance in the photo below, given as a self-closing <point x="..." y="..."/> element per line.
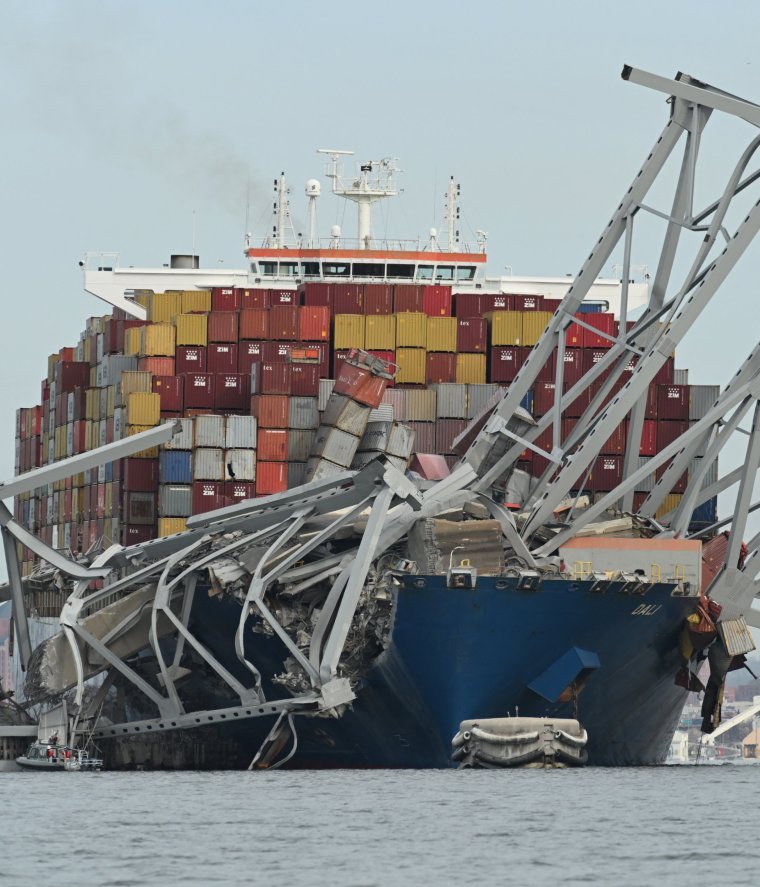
<point x="388" y="494"/>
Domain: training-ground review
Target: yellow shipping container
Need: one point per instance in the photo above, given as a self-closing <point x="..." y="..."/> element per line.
<point x="143" y="408"/>
<point x="411" y="330"/>
<point x="52" y="361"/>
<point x="91" y="402"/>
<point x="671" y="502"/>
<point x="533" y="325"/>
<point x="412" y="365"/>
<point x="151" y="453"/>
<point x="168" y="526"/>
<point x="471" y="369"/>
<point x="196" y="301"/>
<point x="134" y="380"/>
<point x="349" y="331"/>
<point x="144" y="298"/>
<point x="110" y="401"/>
<point x="380" y="332"/>
<point x="164" y="307"/>
<point x="505" y="327"/>
<point x="192" y="329"/>
<point x="441" y="334"/>
<point x="158" y="340"/>
<point x="93" y="381"/>
<point x="132" y="340"/>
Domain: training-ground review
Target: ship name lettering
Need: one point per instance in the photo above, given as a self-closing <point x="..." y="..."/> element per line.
<point x="646" y="609"/>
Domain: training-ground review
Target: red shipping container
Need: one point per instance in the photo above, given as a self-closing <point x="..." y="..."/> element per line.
<point x="607" y="473"/>
<point x="190" y="359"/>
<point x="67" y="505"/>
<point x="360" y="385"/>
<point x="223" y="326"/>
<point x="648" y="445"/>
<point x="680" y="485"/>
<point x="673" y="401"/>
<point x="313" y="353"/>
<point x="544" y="396"/>
<point x="528" y="303"/>
<point x="133" y="534"/>
<point x="249" y="353"/>
<point x="446" y="431"/>
<point x="579" y="405"/>
<point x="80" y="436"/>
<point x="70" y="374"/>
<point x="573" y="368"/>
<point x="472" y="335"/>
<point x="66" y="354"/>
<point x="208" y="496"/>
<point x="441" y="367"/>
<point x="271" y="410"/>
<point x="237" y="491"/>
<point x="603" y="322"/>
<point x="172" y="392"/>
<point x="338" y="358"/>
<point x="254" y="323"/>
<point x="666" y="373"/>
<point x="78" y="398"/>
<point x="314" y="323"/>
<point x="651" y="408"/>
<point x="271" y="446"/>
<point x="551" y="304"/>
<point x="548" y="372"/>
<point x="316" y="294"/>
<point x="378" y="298"/>
<point x="436" y="301"/>
<point x="591" y="357"/>
<point x="159" y="366"/>
<point x="231" y="391"/>
<point x="283" y="323"/>
<point x="389" y="357"/>
<point x="304" y="379"/>
<point x="469" y="305"/>
<point x="199" y="391"/>
<point x="506" y="360"/>
<point x="669" y="430"/>
<point x="140" y="475"/>
<point x="347" y="298"/>
<point x="615" y="445"/>
<point x="406" y="297"/>
<point x="271" y="478"/>
<point x="574" y="335"/>
<point x="253" y="298"/>
<point x="222" y="357"/>
<point x="283" y="297"/>
<point x="225" y="298"/>
<point x="272" y="378"/>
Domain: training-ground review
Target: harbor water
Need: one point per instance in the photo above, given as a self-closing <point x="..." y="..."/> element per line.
<point x="658" y="826"/>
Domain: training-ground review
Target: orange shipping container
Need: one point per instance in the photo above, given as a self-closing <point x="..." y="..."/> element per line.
<point x="254" y="324"/>
<point x="271" y="478"/>
<point x="158" y="366"/>
<point x="314" y="323"/>
<point x="272" y="446"/>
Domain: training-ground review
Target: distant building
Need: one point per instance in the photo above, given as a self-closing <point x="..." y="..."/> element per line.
<point x="751" y="744"/>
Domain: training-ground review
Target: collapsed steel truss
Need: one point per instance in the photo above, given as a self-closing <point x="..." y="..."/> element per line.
<point x="291" y="532"/>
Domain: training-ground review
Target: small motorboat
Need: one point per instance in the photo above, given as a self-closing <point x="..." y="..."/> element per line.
<point x="52" y="757"/>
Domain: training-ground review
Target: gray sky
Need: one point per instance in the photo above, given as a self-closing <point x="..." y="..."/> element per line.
<point x="123" y="119"/>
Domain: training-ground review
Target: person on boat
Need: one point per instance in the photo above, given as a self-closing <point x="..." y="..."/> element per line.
<point x="53" y="738"/>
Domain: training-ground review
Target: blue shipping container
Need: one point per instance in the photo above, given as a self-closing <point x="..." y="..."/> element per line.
<point x="527" y="402"/>
<point x="175" y="467"/>
<point x="593" y="307"/>
<point x="705" y="514"/>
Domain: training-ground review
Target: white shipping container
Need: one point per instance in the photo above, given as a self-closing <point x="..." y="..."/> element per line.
<point x="240" y="433"/>
<point x="296" y="474"/>
<point x="335" y="445"/>
<point x="647" y="484"/>
<point x="383" y="413"/>
<point x="183" y="440"/>
<point x="701" y="399"/>
<point x="346" y="415"/>
<point x="419" y="405"/>
<point x="400" y="441"/>
<point x="175" y="500"/>
<point x="479" y="397"/>
<point x="451" y="403"/>
<point x="303" y="413"/>
<point x="209" y="431"/>
<point x="711" y="475"/>
<point x="300" y="442"/>
<point x="680" y="377"/>
<point x="325" y="390"/>
<point x="240" y="464"/>
<point x="208" y="464"/>
<point x="375" y="438"/>
<point x="318" y="469"/>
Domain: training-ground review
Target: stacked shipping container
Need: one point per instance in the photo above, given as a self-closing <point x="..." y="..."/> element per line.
<point x="247" y="370"/>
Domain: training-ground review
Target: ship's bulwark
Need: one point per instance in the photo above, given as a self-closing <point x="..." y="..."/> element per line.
<point x="456" y="654"/>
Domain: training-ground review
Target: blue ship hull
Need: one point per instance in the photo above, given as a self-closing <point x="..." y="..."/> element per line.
<point x="456" y="654"/>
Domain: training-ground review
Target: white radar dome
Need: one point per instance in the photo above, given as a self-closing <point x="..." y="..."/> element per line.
<point x="335" y="231"/>
<point x="313" y="188"/>
<point x="434" y="233"/>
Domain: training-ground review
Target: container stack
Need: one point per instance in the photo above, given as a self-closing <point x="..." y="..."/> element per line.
<point x="250" y="373"/>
